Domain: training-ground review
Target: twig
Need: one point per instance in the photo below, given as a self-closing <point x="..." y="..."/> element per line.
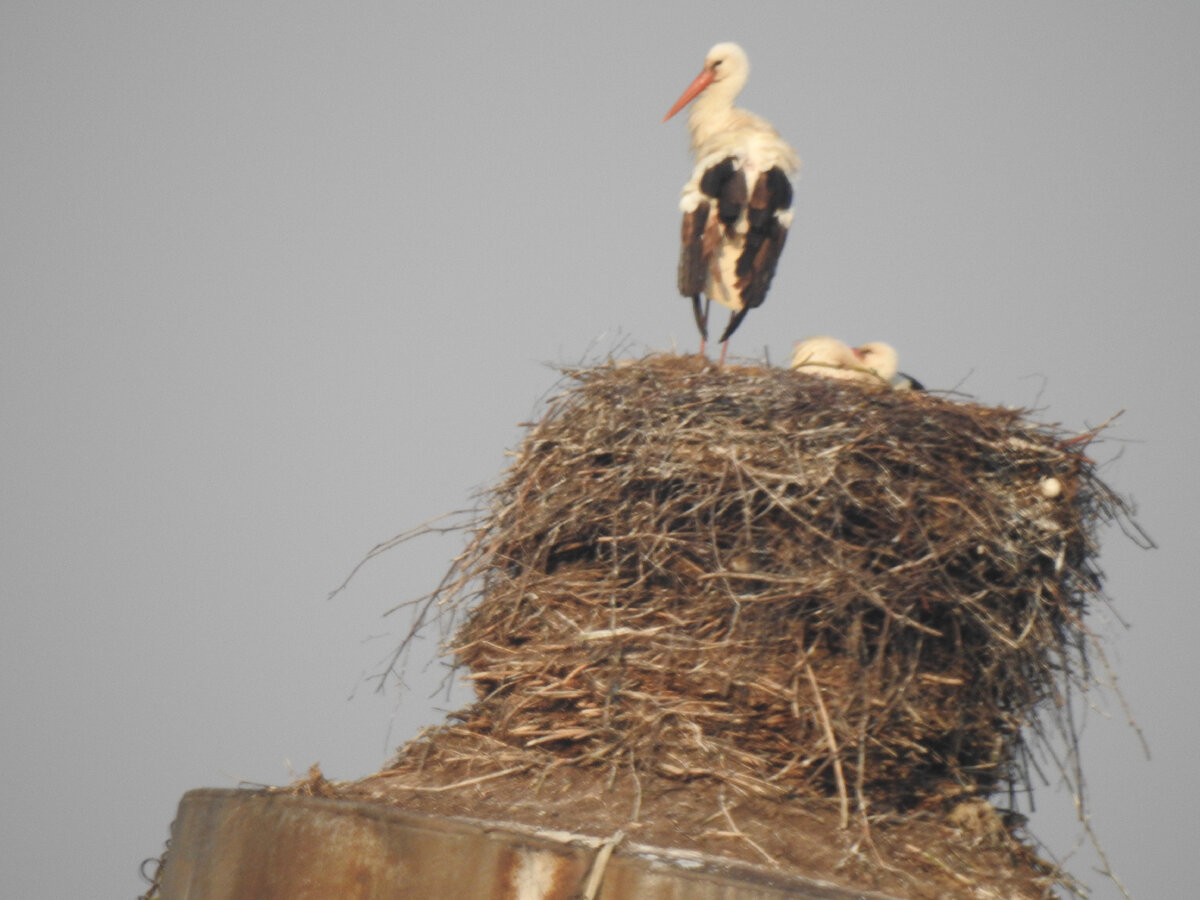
<point x="467" y="783"/>
<point x="839" y="777"/>
<point x="418" y="531"/>
<point x="596" y="873"/>
<point x="745" y="837"/>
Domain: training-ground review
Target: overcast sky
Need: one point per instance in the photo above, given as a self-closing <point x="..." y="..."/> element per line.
<point x="281" y="280"/>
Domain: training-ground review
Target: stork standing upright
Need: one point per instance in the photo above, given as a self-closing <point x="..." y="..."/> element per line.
<point x="737" y="204"/>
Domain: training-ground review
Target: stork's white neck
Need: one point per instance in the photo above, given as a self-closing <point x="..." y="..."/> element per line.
<point x="713" y="111"/>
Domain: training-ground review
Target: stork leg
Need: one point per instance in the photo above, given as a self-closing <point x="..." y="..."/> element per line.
<point x="701" y="319"/>
<point x="734" y="321"/>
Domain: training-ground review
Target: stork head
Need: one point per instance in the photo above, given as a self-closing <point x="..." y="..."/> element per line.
<point x="726" y="66"/>
<point x="880" y="358"/>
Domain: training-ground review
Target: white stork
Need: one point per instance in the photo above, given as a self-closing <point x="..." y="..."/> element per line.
<point x="879" y="358"/>
<point x="824" y="355"/>
<point x="737" y="204"/>
<point x="883" y="360"/>
<point x="873" y="362"/>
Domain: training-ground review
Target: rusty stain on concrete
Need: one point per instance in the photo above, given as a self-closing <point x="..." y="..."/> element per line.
<point x="250" y="845"/>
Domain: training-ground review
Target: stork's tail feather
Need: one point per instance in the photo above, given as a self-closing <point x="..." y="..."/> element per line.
<point x="903" y="382"/>
<point x="701" y="317"/>
<point x="734" y="321"/>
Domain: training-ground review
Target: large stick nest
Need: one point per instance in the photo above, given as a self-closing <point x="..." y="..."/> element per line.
<point x="781" y="580"/>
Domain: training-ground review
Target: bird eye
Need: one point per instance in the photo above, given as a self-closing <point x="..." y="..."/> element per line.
<point x="717" y="62"/>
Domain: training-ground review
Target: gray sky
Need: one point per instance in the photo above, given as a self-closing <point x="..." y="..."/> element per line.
<point x="279" y="281"/>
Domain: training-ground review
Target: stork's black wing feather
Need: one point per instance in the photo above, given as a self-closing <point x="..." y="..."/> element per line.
<point x="765" y="236"/>
<point x="725" y="182"/>
<point x="692" y="264"/>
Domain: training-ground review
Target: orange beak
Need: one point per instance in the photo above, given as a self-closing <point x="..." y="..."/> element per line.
<point x="703" y="80"/>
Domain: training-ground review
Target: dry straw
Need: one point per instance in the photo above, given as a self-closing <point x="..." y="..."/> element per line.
<point x="784" y="582"/>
